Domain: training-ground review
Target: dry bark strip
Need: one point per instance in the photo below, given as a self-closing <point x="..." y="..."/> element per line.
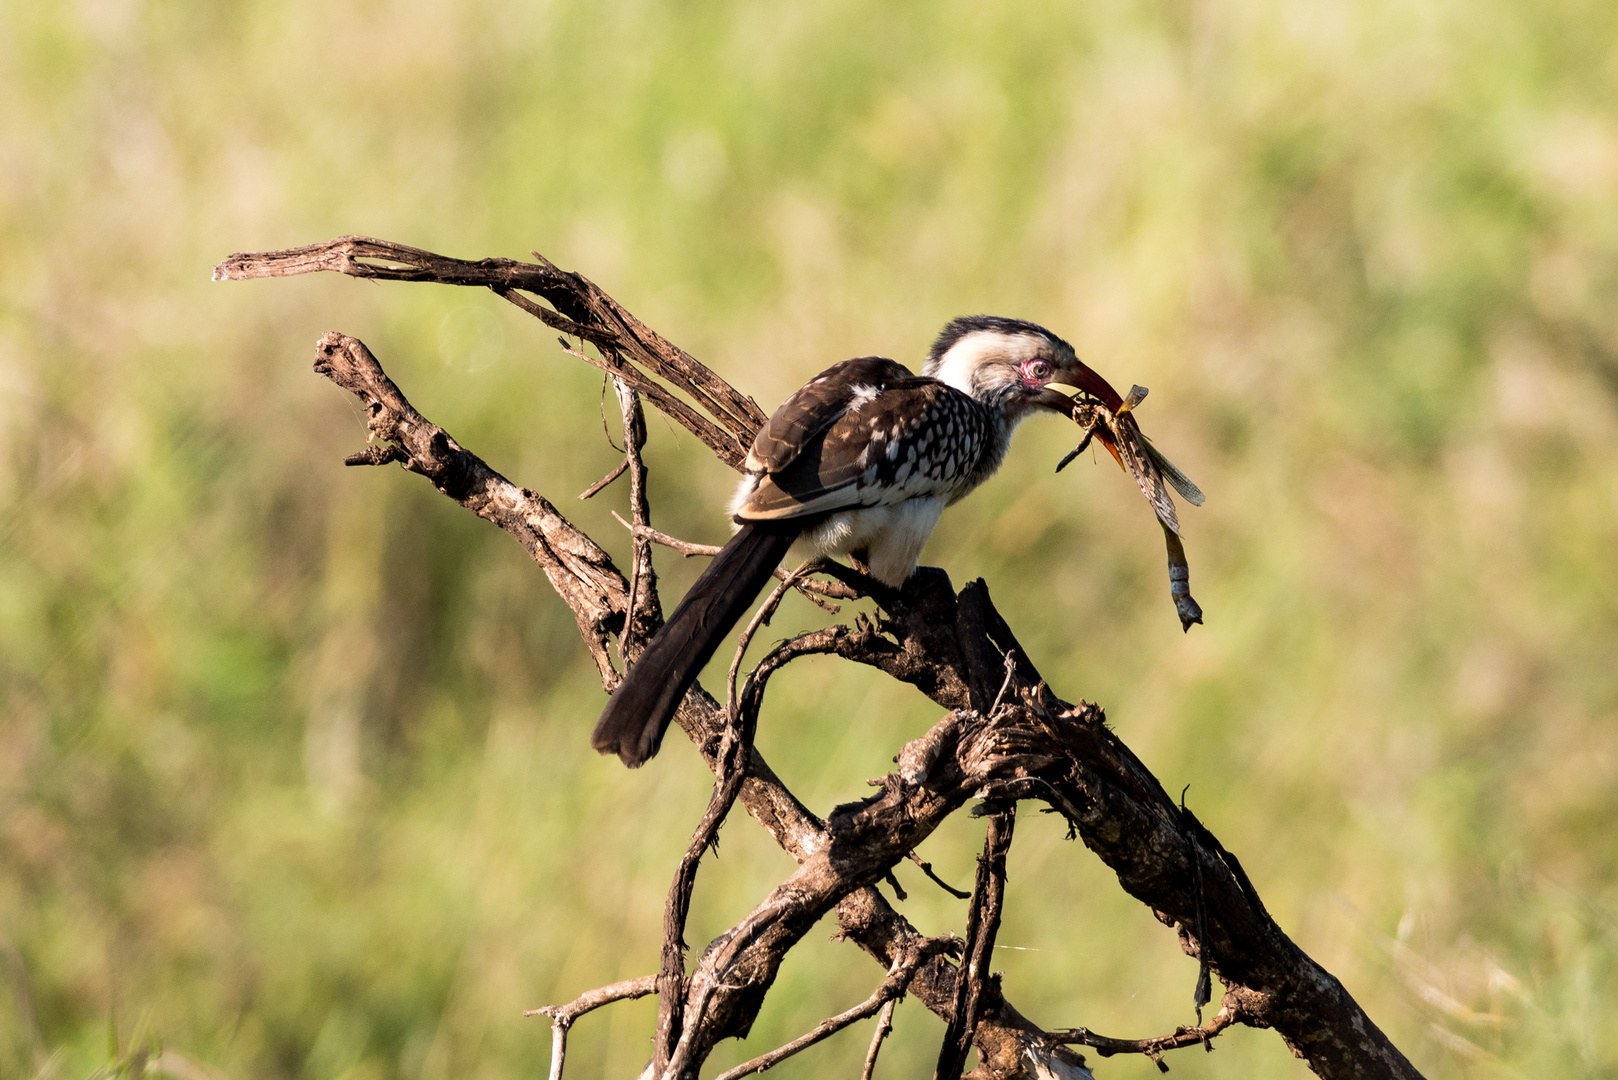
<point x="982" y="924"/>
<point x="563" y="1016"/>
<point x="954" y="648"/>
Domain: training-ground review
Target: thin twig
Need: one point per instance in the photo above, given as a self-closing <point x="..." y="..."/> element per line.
<point x="982" y="923"/>
<point x="601" y="404"/>
<point x="884" y="1025"/>
<point x="600" y="485"/>
<point x="761" y="617"/>
<point x="671" y="1027"/>
<point x="811" y="643"/>
<point x="891" y="990"/>
<point x="1230" y="1013"/>
<point x="642" y="578"/>
<point x="563" y="1016"/>
<point x="730" y="771"/>
<point x="927" y="868"/>
<point x="684" y="547"/>
<point x="1011" y="672"/>
<point x="898" y="889"/>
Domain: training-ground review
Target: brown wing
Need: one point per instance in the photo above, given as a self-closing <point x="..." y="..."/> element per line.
<point x="816" y="406"/>
<point x="886" y="445"/>
<point x="1140" y="462"/>
<point x="1179" y="480"/>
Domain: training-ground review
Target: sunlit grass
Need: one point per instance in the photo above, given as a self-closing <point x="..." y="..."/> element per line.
<point x="294" y="776"/>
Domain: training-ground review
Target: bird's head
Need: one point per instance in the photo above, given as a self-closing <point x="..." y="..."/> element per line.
<point x="1012" y="366"/>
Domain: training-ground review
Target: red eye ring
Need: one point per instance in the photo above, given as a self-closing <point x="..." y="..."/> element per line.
<point x="1037" y="369"/>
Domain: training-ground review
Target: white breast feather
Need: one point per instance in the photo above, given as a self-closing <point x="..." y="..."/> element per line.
<point x="891" y="536"/>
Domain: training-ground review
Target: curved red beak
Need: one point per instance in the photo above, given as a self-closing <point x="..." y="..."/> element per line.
<point x="1080" y="376"/>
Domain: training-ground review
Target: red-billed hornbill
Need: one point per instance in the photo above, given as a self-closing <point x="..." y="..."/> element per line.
<point x="861" y="461"/>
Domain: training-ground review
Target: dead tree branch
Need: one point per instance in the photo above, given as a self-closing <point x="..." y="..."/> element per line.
<point x="629" y="349"/>
<point x="672" y="983"/>
<point x="884" y="1027"/>
<point x="642" y="619"/>
<point x="881" y="1000"/>
<point x="927" y="868"/>
<point x="982" y="924"/>
<point x="563" y="1016"/>
<point x="955" y="648"/>
<point x="1230" y="1012"/>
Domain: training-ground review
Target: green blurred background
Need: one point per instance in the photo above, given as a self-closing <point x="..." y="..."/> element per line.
<point x="294" y="776"/>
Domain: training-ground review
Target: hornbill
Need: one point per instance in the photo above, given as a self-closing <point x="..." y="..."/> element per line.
<point x="861" y="461"/>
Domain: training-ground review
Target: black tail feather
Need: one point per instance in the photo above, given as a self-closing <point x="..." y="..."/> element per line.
<point x="633" y="723"/>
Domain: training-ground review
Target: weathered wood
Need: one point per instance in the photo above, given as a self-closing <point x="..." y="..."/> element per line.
<point x="1007" y="737"/>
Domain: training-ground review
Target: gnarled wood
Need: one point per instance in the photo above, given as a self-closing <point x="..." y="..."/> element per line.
<point x="1007" y="737"/>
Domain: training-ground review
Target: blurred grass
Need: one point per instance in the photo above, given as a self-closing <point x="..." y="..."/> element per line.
<point x="293" y="767"/>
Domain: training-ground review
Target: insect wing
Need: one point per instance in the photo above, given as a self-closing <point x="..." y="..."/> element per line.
<point x="1177" y="479"/>
<point x="1136" y="457"/>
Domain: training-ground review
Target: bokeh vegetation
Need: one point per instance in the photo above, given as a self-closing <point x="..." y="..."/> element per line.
<point x="294" y="776"/>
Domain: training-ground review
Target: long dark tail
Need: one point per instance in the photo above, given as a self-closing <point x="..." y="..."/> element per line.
<point x="633" y="722"/>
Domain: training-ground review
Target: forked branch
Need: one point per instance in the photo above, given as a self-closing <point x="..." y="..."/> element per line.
<point x="1005" y="735"/>
<point x="881" y="1000"/>
<point x="972" y="989"/>
<point x="563" y="1016"/>
<point x="723" y="418"/>
<point x="1230" y="1012"/>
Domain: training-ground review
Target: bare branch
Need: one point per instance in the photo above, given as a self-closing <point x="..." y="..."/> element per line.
<point x="585" y="578"/>
<point x="982" y="924"/>
<point x="881" y="1000"/>
<point x="563" y="1016"/>
<point x="644" y="615"/>
<point x="1019" y="742"/>
<point x="592" y="1000"/>
<point x="600" y="485"/>
<point x="884" y="1025"/>
<point x="815" y="642"/>
<point x="684" y="547"/>
<point x="581" y="309"/>
<point x="578" y="569"/>
<point x="927" y="868"/>
<point x="760" y="618"/>
<point x="1230" y="1012"/>
<point x="1010" y="1047"/>
<point x="673" y="1032"/>
<point x="733" y="757"/>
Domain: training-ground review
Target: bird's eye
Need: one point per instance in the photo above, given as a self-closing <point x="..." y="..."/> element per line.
<point x="1037" y="369"/>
